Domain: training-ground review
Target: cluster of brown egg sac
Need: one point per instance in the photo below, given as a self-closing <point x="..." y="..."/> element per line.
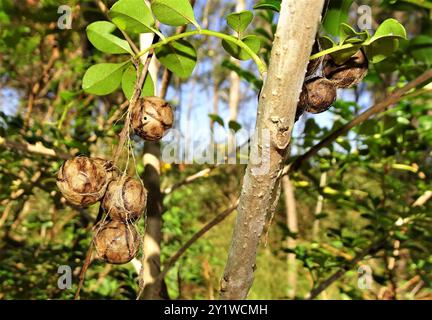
<point x="319" y="93"/>
<point x="83" y="181"/>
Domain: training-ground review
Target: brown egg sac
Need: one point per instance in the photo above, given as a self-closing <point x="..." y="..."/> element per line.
<point x="151" y="117"/>
<point x="348" y="74"/>
<point x="83" y="181"/>
<point x="116" y="242"/>
<point x="125" y="199"/>
<point x="317" y="95"/>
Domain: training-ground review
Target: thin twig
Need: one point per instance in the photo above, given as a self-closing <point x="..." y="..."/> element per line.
<point x="37" y="148"/>
<point x="171" y="262"/>
<point x="393" y="98"/>
<point x="200" y="174"/>
<point x="83" y="271"/>
<point x="134" y="99"/>
<point x="372" y="249"/>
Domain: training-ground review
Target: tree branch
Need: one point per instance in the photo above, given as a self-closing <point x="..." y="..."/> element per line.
<point x="374" y="248"/>
<point x="393" y="98"/>
<point x="216" y="220"/>
<point x="37" y="148"/>
<point x="276" y="112"/>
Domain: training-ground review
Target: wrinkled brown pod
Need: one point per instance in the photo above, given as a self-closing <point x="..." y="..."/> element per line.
<point x="125" y="199"/>
<point x="317" y="95"/>
<point x="151" y="117"/>
<point x="348" y="74"/>
<point x="83" y="181"/>
<point x="116" y="242"/>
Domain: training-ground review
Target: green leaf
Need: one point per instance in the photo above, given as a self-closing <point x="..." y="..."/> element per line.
<point x="385" y="41"/>
<point x="239" y="21"/>
<point x="216" y="118"/>
<point x="173" y="13"/>
<point x="178" y="56"/>
<point x="244" y="74"/>
<point x="235" y="51"/>
<point x="327" y="42"/>
<point x="274" y="5"/>
<point x="379" y="50"/>
<point x="132" y="16"/>
<point x="348" y="34"/>
<point x="128" y="83"/>
<point x="421" y="49"/>
<point x="234" y="125"/>
<point x="103" y="78"/>
<point x="337" y="13"/>
<point x="389" y="28"/>
<point x="99" y="34"/>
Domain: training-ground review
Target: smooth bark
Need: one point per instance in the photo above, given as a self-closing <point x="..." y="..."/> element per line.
<point x="295" y="35"/>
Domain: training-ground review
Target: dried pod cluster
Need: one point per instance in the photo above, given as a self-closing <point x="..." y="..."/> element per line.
<point x="151" y="117"/>
<point x="318" y="94"/>
<point x="84" y="181"/>
<point x="116" y="242"/>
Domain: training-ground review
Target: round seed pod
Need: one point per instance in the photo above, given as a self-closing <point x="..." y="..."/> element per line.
<point x="151" y="117"/>
<point x="317" y="95"/>
<point x="125" y="199"/>
<point x="116" y="242"/>
<point x="83" y="181"/>
<point x="348" y="74"/>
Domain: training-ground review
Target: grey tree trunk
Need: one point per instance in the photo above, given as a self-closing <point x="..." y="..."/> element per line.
<point x="295" y="35"/>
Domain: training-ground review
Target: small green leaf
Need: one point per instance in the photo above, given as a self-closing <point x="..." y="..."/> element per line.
<point x="178" y="56"/>
<point x="420" y="48"/>
<point x="348" y="34"/>
<point x="173" y="13"/>
<point x="389" y="28"/>
<point x="103" y="78"/>
<point x="244" y="74"/>
<point x="327" y="42"/>
<point x="274" y="5"/>
<point x="379" y="50"/>
<point x="216" y="118"/>
<point x="234" y="125"/>
<point x="128" y="83"/>
<point x="385" y="41"/>
<point x="237" y="52"/>
<point x="239" y="21"/>
<point x="132" y="16"/>
<point x="99" y="34"/>
<point x="337" y="13"/>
